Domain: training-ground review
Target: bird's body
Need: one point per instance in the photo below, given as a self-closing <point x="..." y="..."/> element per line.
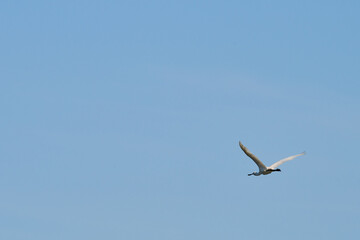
<point x="263" y="170"/>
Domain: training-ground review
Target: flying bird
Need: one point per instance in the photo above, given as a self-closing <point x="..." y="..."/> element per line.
<point x="263" y="170"/>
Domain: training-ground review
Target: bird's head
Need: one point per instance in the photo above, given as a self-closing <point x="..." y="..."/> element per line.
<point x="278" y="170"/>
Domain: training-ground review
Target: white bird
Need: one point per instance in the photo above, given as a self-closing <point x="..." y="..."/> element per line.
<point x="263" y="170"/>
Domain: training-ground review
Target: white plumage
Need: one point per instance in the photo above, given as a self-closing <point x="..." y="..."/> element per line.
<point x="263" y="170"/>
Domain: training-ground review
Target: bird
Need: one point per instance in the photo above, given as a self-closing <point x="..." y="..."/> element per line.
<point x="263" y="170"/>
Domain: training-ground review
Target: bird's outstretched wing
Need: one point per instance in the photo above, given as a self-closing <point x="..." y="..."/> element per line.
<point x="261" y="166"/>
<point x="278" y="163"/>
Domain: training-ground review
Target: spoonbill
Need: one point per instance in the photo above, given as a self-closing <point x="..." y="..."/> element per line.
<point x="263" y="170"/>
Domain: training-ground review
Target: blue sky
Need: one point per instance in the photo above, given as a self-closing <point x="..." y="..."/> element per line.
<point x="121" y="119"/>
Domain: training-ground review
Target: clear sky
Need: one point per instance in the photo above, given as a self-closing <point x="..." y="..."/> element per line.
<point x="121" y="119"/>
